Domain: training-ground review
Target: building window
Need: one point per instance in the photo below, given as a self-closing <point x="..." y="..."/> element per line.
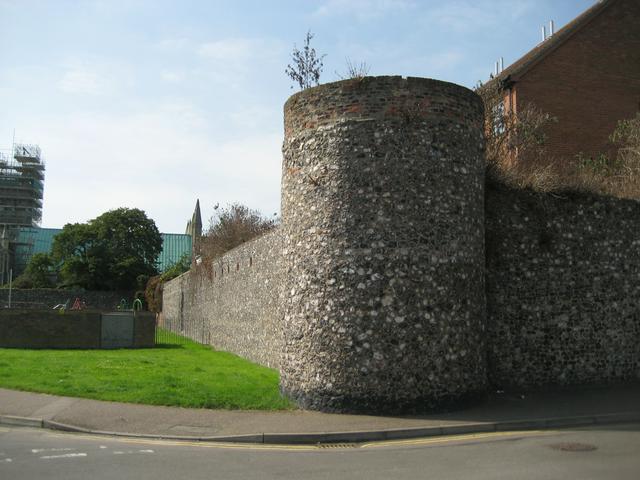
<point x="498" y="118"/>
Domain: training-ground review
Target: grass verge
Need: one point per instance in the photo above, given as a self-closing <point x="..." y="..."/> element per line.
<point x="178" y="372"/>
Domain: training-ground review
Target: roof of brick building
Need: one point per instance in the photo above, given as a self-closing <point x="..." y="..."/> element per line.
<point x="514" y="71"/>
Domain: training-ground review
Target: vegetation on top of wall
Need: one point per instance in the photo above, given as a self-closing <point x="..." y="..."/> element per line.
<point x="627" y="136"/>
<point x="232" y="226"/>
<point x="510" y="133"/>
<point x="153" y="289"/>
<point x="355" y="70"/>
<point x="515" y="149"/>
<point x="229" y="227"/>
<point x="616" y="172"/>
<point x="307" y="66"/>
<point x="516" y="153"/>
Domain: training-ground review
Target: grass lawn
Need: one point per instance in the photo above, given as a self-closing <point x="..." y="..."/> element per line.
<point x="178" y="373"/>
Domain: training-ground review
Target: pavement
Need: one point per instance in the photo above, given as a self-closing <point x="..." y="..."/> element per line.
<point x="500" y="412"/>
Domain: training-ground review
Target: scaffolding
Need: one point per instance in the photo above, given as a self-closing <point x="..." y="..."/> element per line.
<point x="21" y="193"/>
<point x="21" y="187"/>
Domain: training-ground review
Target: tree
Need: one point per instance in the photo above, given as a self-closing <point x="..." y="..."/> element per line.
<point x="307" y="66"/>
<point x="109" y="252"/>
<point x="37" y="274"/>
<point x="79" y="256"/>
<point x="232" y="226"/>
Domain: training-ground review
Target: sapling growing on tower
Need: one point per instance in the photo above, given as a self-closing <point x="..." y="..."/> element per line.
<point x="307" y="66"/>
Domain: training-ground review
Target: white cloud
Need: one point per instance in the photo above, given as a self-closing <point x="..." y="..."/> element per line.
<point x="236" y="62"/>
<point x="94" y="78"/>
<point x="253" y="116"/>
<point x="175" y="44"/>
<point x="230" y="49"/>
<point x="362" y="9"/>
<point x="440" y="65"/>
<point x="445" y="60"/>
<point x="83" y="81"/>
<point x="159" y="160"/>
<point x="172" y="76"/>
<point x="465" y="16"/>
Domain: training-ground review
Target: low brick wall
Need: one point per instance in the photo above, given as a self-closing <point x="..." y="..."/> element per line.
<point x="50" y="329"/>
<point x="144" y="330"/>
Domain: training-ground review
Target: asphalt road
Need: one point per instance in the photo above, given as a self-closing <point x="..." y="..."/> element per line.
<point x="610" y="452"/>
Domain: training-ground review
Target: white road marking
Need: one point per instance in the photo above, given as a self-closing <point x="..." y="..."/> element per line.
<point x="66" y="455"/>
<point x="40" y="450"/>
<point x="6" y="460"/>
<point x="131" y="452"/>
<point x="102" y="446"/>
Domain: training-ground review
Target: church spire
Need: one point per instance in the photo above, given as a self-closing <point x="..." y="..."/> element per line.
<point x="194" y="226"/>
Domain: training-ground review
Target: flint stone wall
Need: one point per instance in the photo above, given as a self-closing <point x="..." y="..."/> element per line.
<point x="371" y="296"/>
<point x="382" y="207"/>
<point x="234" y="304"/>
<point x="563" y="289"/>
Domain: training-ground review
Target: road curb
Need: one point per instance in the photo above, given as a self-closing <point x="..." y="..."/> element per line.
<point x="346" y="437"/>
<point x="15" y="421"/>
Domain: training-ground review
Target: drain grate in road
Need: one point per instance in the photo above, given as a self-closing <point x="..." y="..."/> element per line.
<point x="574" y="447"/>
<point x="336" y="445"/>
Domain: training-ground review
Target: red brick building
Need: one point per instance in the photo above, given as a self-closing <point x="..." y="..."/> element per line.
<point x="587" y="75"/>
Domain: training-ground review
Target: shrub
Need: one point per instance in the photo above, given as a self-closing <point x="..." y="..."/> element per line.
<point x="230" y="227"/>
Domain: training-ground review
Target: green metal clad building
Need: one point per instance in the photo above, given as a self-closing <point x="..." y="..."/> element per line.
<point x="32" y="240"/>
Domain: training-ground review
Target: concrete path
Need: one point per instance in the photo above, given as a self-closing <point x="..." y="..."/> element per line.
<point x="500" y="412"/>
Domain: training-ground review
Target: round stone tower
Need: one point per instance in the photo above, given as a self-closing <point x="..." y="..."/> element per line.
<point x="383" y="219"/>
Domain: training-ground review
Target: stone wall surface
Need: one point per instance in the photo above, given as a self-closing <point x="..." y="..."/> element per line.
<point x="40" y="298"/>
<point x="382" y="207"/>
<point x="234" y="304"/>
<point x="563" y="286"/>
<point x="377" y="295"/>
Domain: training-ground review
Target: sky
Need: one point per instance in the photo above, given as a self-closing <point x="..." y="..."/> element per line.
<point x="153" y="104"/>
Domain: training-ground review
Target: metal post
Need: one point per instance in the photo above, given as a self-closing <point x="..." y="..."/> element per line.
<point x="10" y="284"/>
